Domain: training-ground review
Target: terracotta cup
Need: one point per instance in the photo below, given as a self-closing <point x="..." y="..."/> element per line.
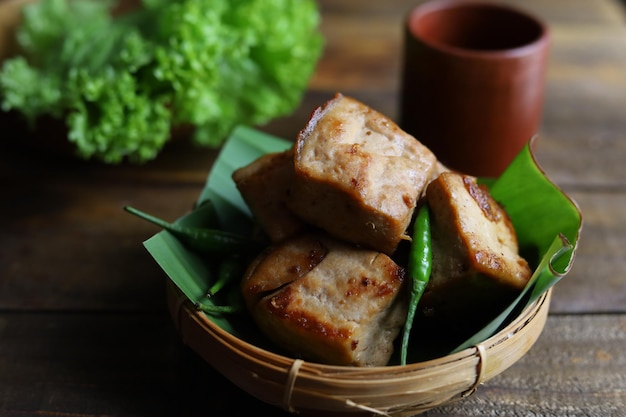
<point x="473" y="82"/>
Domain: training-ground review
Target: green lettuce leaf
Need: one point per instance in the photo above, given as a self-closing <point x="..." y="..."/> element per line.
<point x="121" y="84"/>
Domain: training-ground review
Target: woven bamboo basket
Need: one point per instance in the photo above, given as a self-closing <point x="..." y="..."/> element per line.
<point x="315" y="389"/>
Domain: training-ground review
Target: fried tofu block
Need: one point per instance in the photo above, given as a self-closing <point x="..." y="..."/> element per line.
<point x="476" y="265"/>
<point x="357" y="175"/>
<point x="327" y="301"/>
<point x="264" y="185"/>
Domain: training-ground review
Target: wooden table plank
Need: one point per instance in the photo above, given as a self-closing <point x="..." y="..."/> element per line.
<point x="66" y="241"/>
<point x="596" y="282"/>
<point x="573" y="11"/>
<point x="574" y="355"/>
<point x="577" y="12"/>
<point x="114" y="272"/>
<point x="104" y="266"/>
<point x="82" y="332"/>
<point x="583" y="140"/>
<point x="108" y="268"/>
<point x="132" y="365"/>
<point x="92" y="364"/>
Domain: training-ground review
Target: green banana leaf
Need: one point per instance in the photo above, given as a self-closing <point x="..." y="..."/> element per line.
<point x="547" y="223"/>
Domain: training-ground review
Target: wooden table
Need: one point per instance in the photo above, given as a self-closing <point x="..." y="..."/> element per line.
<point x="83" y="327"/>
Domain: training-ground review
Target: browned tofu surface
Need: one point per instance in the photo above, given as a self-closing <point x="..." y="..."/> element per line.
<point x="476" y="265"/>
<point x="264" y="185"/>
<point x="327" y="301"/>
<point x="357" y="175"/>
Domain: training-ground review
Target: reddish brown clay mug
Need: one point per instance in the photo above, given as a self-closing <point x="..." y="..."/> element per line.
<point x="473" y="82"/>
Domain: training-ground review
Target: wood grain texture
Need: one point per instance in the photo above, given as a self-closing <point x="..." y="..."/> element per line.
<point x="576" y="354"/>
<point x="133" y="365"/>
<point x="82" y="326"/>
<point x="596" y="282"/>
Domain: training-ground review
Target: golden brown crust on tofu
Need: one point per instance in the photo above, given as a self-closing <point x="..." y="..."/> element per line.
<point x="327" y="301"/>
<point x="264" y="185"/>
<point x="476" y="265"/>
<point x="357" y="175"/>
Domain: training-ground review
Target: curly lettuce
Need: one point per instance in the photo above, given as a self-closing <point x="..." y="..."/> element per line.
<point x="122" y="83"/>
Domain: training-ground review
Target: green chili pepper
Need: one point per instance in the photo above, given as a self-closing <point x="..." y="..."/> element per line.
<point x="230" y="269"/>
<point x="201" y="239"/>
<point x="212" y="309"/>
<point x="204" y="214"/>
<point x="419" y="267"/>
<point x="234" y="304"/>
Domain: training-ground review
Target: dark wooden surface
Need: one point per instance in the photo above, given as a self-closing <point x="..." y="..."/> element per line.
<point x="83" y="327"/>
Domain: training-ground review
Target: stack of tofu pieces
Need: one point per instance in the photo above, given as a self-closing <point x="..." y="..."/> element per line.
<point x="337" y="207"/>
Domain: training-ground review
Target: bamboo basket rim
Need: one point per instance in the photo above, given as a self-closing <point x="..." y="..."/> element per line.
<point x="395" y="390"/>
